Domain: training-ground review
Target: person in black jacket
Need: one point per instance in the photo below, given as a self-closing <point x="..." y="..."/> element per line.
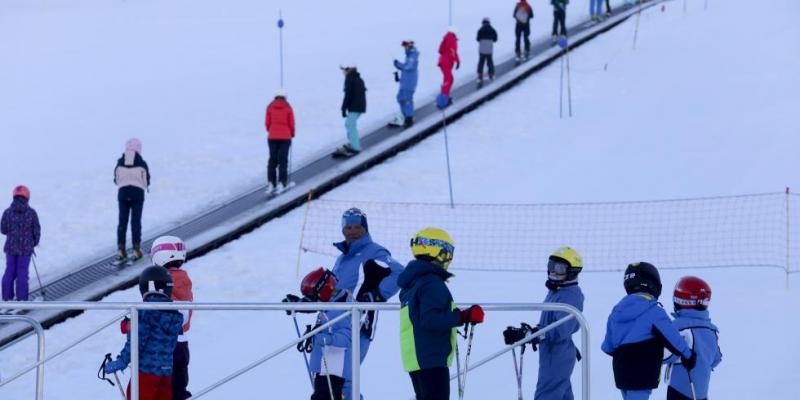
<point x="523" y="13"/>
<point x="487" y="37"/>
<point x="353" y="105"/>
<point x="132" y="177"/>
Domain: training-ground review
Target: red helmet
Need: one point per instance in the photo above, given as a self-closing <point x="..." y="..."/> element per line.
<point x="691" y="292"/>
<point x="318" y="285"/>
<point x="23" y="191"/>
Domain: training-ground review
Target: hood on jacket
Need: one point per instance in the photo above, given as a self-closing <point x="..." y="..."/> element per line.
<point x="632" y="306"/>
<point x="419" y="268"/>
<point x="702" y="317"/>
<point x="354" y="247"/>
<point x="279" y="104"/>
<point x="19" y="205"/>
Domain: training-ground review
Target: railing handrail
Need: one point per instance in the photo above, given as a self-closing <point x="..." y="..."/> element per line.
<point x="39" y="348"/>
<point x="354" y="309"/>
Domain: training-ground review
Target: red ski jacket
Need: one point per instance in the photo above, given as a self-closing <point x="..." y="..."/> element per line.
<point x="279" y="120"/>
<point x="448" y="51"/>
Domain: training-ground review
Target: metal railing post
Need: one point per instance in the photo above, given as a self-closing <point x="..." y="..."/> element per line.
<point x="134" y="353"/>
<point x="355" y="320"/>
<point x="39" y="352"/>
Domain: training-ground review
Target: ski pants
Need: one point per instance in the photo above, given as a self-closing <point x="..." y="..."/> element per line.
<point x="636" y="394"/>
<point x="16" y="275"/>
<point x="596" y="7"/>
<point x="364" y="341"/>
<point x="522" y="31"/>
<point x="153" y="387"/>
<point x="352" y="130"/>
<point x="180" y="371"/>
<point x="447" y="79"/>
<point x="431" y="383"/>
<point x="556" y="362"/>
<point x="132" y="208"/>
<point x="321" y="391"/>
<point x="484" y="59"/>
<point x="405" y="98"/>
<point x="559" y="19"/>
<point x="278" y="159"/>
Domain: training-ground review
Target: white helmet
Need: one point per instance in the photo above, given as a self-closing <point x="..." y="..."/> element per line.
<point x="166" y="249"/>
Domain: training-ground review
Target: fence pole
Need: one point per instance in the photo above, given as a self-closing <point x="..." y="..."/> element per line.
<point x="134" y="353"/>
<point x="355" y="321"/>
<point x="788" y="237"/>
<point x="303" y="232"/>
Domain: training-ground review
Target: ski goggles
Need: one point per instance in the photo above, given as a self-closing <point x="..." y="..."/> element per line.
<point x="557" y="266"/>
<point x="428" y="242"/>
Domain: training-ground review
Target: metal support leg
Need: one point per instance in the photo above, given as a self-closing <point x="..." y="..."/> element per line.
<point x="134" y="353"/>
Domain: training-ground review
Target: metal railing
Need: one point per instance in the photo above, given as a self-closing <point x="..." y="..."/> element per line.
<point x="354" y="310"/>
<point x="37" y="327"/>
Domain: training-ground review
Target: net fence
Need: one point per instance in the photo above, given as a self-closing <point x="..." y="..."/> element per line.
<point x="715" y="232"/>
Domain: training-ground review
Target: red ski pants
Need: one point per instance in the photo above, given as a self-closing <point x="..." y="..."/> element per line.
<point x="153" y="387"/>
<point x="447" y="82"/>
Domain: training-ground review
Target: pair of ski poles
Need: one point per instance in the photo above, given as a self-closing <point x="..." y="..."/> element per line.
<point x="304" y="349"/>
<point x="469" y="331"/>
<point x="101" y="374"/>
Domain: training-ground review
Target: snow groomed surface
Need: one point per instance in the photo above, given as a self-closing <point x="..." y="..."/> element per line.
<point x="247" y="212"/>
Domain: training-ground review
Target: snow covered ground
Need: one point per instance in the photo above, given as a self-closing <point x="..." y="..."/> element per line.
<point x="191" y="78"/>
<point x="702" y="107"/>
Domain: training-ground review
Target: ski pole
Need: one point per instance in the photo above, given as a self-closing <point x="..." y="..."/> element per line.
<point x="327" y="373"/>
<point x="691" y="384"/>
<point x="305" y="356"/>
<point x="518" y="373"/>
<point x="119" y="385"/>
<point x="458" y="369"/>
<point x="466" y="362"/>
<point x="39" y="278"/>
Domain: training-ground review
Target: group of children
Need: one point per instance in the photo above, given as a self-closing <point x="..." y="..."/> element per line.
<point x="637" y="333"/>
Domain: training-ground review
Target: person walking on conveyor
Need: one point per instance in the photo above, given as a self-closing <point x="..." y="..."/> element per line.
<point x="559" y="19"/>
<point x="523" y="13"/>
<point x="407" y="77"/>
<point x="354" y="105"/>
<point x="132" y="177"/>
<point x="486" y="38"/>
<point x="279" y="122"/>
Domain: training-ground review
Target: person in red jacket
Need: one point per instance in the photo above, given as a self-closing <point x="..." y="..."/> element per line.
<point x="280" y="128"/>
<point x="448" y="56"/>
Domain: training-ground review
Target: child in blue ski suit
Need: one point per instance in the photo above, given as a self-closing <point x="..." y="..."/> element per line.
<point x="637" y="332"/>
<point x="408" y="83"/>
<point x="365" y="269"/>
<point x="692" y="319"/>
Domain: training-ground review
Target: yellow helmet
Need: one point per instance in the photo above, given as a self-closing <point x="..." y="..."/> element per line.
<point x="569" y="255"/>
<point x="433" y="243"/>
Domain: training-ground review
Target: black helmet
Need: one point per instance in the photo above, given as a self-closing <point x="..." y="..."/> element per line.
<point x="155" y="280"/>
<point x="642" y="277"/>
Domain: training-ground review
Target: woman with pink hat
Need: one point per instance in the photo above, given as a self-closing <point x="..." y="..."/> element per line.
<point x="132" y="177"/>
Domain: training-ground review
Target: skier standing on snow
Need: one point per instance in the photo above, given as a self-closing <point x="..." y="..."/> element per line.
<point x="637" y="332"/>
<point x="353" y="105"/>
<point x="20" y="224"/>
<point x="279" y="122"/>
<point x="429" y="318"/>
<point x="559" y="19"/>
<point x="132" y="177"/>
<point x="523" y="13"/>
<point x="557" y="352"/>
<point x="486" y="38"/>
<point x="690" y="300"/>
<point x="158" y="335"/>
<point x="408" y="84"/>
<point x="448" y="57"/>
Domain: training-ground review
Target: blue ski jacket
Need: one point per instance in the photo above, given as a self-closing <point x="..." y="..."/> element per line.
<point x="158" y="335"/>
<point x="408" y="70"/>
<point x="702" y="337"/>
<point x="637" y="331"/>
<point x="366" y="268"/>
<point x="334" y="343"/>
<point x="557" y="352"/>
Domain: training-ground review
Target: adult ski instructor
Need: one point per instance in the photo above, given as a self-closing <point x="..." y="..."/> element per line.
<point x="367" y="270"/>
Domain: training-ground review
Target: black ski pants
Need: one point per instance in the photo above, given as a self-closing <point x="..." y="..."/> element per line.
<point x="608" y="8"/>
<point x="321" y="391"/>
<point x="278" y="158"/>
<point x="559" y="18"/>
<point x="180" y="372"/>
<point x="431" y="383"/>
<point x="484" y="59"/>
<point x="133" y="208"/>
<point x="522" y="31"/>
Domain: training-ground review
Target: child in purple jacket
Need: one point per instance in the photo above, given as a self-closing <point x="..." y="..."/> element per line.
<point x="20" y="224"/>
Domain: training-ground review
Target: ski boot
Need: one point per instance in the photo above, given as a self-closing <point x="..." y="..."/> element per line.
<point x="120" y="258"/>
<point x="397" y="122"/>
<point x="408" y="122"/>
<point x="136" y="256"/>
<point x="345" y="152"/>
<point x="480" y="77"/>
<point x="270" y="189"/>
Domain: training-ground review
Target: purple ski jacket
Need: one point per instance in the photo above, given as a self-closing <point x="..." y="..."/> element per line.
<point x="20" y="224"/>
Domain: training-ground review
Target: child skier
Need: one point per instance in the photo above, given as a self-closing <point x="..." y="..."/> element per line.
<point x="279" y="122"/>
<point x="523" y="13"/>
<point x="448" y="57"/>
<point x="486" y="38"/>
<point x="428" y="317"/>
<point x="132" y="177"/>
<point x="408" y="84"/>
<point x="158" y="335"/>
<point x="20" y="224"/>
<point x="332" y="348"/>
<point x="354" y="104"/>
<point x="559" y="20"/>
<point x="638" y="329"/>
<point x="170" y="252"/>
<point x="690" y="299"/>
<point x="558" y="353"/>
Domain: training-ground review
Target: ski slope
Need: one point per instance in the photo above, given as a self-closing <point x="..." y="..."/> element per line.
<point x="701" y="107"/>
<point x="192" y="79"/>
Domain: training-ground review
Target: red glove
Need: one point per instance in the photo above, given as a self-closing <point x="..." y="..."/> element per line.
<point x="125" y="325"/>
<point x="473" y="315"/>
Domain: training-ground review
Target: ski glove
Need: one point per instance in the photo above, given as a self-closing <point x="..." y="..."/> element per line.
<point x="344" y="113"/>
<point x="291" y="298"/>
<point x="689" y="363"/>
<point x="473" y="315"/>
<point x="125" y="325"/>
<point x="458" y="64"/>
<point x="114" y="366"/>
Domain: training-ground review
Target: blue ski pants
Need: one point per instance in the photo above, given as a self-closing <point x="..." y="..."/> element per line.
<point x="405" y="98"/>
<point x="352" y="130"/>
